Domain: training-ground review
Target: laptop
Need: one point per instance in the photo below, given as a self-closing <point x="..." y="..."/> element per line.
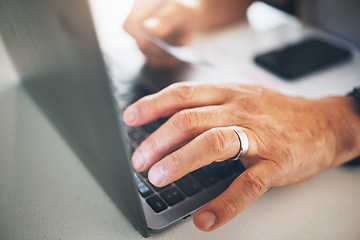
<point x="54" y="48"/>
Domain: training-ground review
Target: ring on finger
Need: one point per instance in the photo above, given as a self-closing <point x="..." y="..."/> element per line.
<point x="244" y="142"/>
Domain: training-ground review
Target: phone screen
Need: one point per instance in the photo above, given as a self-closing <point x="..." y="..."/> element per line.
<point x="302" y="58"/>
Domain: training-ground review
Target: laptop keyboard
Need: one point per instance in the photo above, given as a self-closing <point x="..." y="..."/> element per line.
<point x="162" y="198"/>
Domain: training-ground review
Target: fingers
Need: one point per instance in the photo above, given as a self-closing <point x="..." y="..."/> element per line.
<point x="216" y="144"/>
<point x="171" y="23"/>
<point x="178" y="130"/>
<point x="172" y="99"/>
<point x="248" y="187"/>
<point x="164" y="19"/>
<point x="141" y="11"/>
<point x="173" y="17"/>
<point x="135" y="26"/>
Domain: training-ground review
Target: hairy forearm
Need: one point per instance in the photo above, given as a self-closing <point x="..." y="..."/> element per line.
<point x="215" y="13"/>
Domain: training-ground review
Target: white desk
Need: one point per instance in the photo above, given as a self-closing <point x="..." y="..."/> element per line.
<point x="47" y="193"/>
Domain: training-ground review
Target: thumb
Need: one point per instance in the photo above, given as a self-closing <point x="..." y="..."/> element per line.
<point x="249" y="186"/>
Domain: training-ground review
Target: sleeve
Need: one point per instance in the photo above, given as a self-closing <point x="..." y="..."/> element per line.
<point x="356" y="95"/>
<point x="288" y="6"/>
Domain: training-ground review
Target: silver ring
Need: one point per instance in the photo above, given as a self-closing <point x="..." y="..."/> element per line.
<point x="244" y="142"/>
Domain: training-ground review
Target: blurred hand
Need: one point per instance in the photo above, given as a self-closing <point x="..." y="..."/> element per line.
<point x="175" y="20"/>
<point x="291" y="139"/>
<point x="170" y="20"/>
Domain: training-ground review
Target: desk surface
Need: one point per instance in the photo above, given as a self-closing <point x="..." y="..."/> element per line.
<point x="47" y="193"/>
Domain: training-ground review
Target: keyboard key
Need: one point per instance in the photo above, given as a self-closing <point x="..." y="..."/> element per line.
<point x="144" y="190"/>
<point x="226" y="169"/>
<point x="205" y="178"/>
<point x="145" y="174"/>
<point x="151" y="127"/>
<point x="132" y="149"/>
<point x="220" y="170"/>
<point x="172" y="196"/>
<point x="158" y="189"/>
<point x="163" y="120"/>
<point x="136" y="135"/>
<point x="156" y="203"/>
<point x="188" y="186"/>
<point x="238" y="168"/>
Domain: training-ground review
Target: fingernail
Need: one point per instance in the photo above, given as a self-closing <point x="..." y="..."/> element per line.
<point x="130" y="115"/>
<point x="205" y="220"/>
<point x="156" y="175"/>
<point x="151" y="23"/>
<point x="137" y="161"/>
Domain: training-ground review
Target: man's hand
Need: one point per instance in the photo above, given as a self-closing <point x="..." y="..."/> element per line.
<point x="175" y="20"/>
<point x="291" y="139"/>
<point x="171" y="20"/>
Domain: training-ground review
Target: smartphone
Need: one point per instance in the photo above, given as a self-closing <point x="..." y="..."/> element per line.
<point x="303" y="58"/>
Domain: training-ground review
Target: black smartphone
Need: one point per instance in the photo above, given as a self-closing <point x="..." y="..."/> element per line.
<point x="302" y="58"/>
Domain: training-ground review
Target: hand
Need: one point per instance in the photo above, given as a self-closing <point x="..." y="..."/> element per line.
<point x="291" y="139"/>
<point x="171" y="20"/>
<point x="175" y="21"/>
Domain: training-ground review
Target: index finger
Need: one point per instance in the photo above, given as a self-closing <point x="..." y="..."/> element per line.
<point x="172" y="99"/>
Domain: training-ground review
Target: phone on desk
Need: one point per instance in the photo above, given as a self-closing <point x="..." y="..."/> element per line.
<point x="300" y="59"/>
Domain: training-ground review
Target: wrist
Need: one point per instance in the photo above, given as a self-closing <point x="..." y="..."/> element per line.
<point x="344" y="120"/>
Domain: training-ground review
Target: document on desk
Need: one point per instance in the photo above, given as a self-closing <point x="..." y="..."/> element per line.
<point x="183" y="53"/>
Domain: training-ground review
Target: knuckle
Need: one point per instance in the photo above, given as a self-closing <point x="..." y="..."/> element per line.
<point x="216" y="140"/>
<point x="183" y="91"/>
<point x="151" y="143"/>
<point x="186" y="120"/>
<point x="128" y="24"/>
<point x="176" y="162"/>
<point x="255" y="184"/>
<point x="231" y="206"/>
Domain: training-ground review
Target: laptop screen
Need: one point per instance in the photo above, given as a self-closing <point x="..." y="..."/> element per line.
<point x="54" y="48"/>
<point x="334" y="16"/>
